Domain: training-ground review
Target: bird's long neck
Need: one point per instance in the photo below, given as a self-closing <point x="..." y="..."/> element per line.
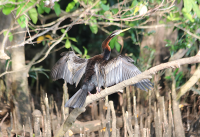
<point x="106" y="48"/>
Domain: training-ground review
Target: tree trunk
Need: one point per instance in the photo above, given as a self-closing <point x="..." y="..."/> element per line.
<point x="17" y="80"/>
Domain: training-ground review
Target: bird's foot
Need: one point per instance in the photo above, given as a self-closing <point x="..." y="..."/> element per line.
<point x="98" y="90"/>
<point x="89" y="93"/>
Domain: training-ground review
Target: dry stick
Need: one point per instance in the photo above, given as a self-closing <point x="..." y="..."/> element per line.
<point x="156" y="121"/>
<point x="48" y="116"/>
<point x="107" y="133"/>
<point x="123" y="114"/>
<point x="11" y="121"/>
<point x="169" y="116"/>
<point x="118" y="132"/>
<point x="58" y="116"/>
<point x="52" y="114"/>
<point x="195" y="77"/>
<point x="179" y="130"/>
<point x="149" y="117"/>
<point x="65" y="97"/>
<point x="159" y="123"/>
<point x="144" y="132"/>
<point x="133" y="95"/>
<point x="141" y="119"/>
<point x="2" y="123"/>
<point x="165" y="123"/>
<point x="136" y="127"/>
<point x="127" y="125"/>
<point x="128" y="97"/>
<point x="30" y="126"/>
<point x="44" y="119"/>
<point x="37" y="116"/>
<point x="113" y="119"/>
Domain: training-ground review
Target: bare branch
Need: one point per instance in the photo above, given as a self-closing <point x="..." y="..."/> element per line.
<point x="145" y="75"/>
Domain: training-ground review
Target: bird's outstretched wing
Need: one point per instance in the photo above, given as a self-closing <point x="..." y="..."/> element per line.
<point x="70" y="68"/>
<point x="119" y="69"/>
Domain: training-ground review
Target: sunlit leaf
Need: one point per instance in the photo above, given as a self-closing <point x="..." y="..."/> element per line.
<point x="112" y="42"/>
<point x="8" y="8"/>
<point x="39" y="9"/>
<point x="62" y="30"/>
<point x="33" y="15"/>
<point x="57" y="8"/>
<point x="104" y="7"/>
<point x="40" y="39"/>
<point x="187" y="15"/>
<point x="76" y="49"/>
<point x="136" y="9"/>
<point x="117" y="46"/>
<point x="67" y="44"/>
<point x="49" y="37"/>
<point x="188" y="5"/>
<point x="168" y="77"/>
<point x="70" y="6"/>
<point x="85" y="51"/>
<point x="73" y="39"/>
<point x="195" y="8"/>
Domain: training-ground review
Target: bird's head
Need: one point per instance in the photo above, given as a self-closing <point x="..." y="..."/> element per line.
<point x="117" y="32"/>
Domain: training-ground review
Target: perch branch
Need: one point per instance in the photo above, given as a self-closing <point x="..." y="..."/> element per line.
<point x="145" y="75"/>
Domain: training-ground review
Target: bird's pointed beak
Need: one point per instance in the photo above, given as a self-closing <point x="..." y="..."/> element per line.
<point x="124" y="30"/>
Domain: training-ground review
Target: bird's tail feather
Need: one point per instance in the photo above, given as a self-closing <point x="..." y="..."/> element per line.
<point x="77" y="100"/>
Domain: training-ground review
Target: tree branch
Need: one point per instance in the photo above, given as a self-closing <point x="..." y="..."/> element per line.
<point x="145" y="75"/>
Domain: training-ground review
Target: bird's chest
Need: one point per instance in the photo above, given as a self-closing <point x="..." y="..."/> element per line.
<point x="90" y="69"/>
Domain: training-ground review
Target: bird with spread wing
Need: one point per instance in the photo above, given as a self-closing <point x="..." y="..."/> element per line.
<point x="97" y="71"/>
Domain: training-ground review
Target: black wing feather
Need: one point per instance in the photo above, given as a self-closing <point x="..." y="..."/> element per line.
<point x="70" y="68"/>
<point x="119" y="69"/>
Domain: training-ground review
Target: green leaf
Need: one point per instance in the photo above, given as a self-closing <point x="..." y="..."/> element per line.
<point x="168" y="77"/>
<point x="40" y="9"/>
<point x="104" y="7"/>
<point x="188" y="5"/>
<point x="22" y="21"/>
<point x="85" y="51"/>
<point x="47" y="10"/>
<point x="117" y="46"/>
<point x="10" y="35"/>
<point x="176" y="70"/>
<point x="42" y="72"/>
<point x="76" y="49"/>
<point x="62" y="30"/>
<point x="134" y="3"/>
<point x="33" y="15"/>
<point x="67" y="44"/>
<point x="70" y="6"/>
<point x="93" y="25"/>
<point x="115" y="11"/>
<point x="133" y="37"/>
<point x="57" y="9"/>
<point x="195" y="8"/>
<point x="112" y="42"/>
<point x="73" y="39"/>
<point x="8" y="8"/>
<point x="187" y="15"/>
